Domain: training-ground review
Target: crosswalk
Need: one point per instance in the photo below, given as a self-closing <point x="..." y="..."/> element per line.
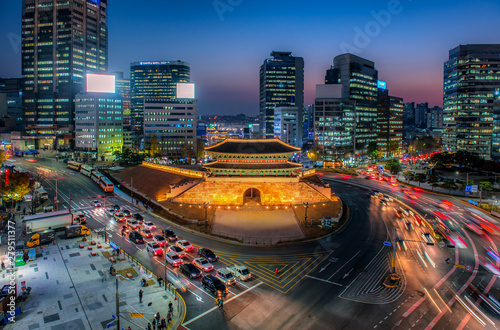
<point x="100" y="211"/>
<point x="367" y="286"/>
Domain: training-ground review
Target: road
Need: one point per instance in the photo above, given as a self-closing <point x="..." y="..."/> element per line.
<point x="336" y="279"/>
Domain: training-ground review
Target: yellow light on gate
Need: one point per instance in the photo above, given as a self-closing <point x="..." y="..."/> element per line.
<point x="218" y="207"/>
<point x="276" y="207"/>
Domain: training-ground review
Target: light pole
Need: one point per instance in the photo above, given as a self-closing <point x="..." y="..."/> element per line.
<point x="105" y="217"/>
<point x="118" y="299"/>
<point x="57" y="200"/>
<point x="306" y="205"/>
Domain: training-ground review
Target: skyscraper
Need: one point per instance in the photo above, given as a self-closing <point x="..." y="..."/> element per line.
<point x="123" y="89"/>
<point x="62" y="41"/>
<point x="471" y="77"/>
<point x="11" y="102"/>
<point x="495" y="140"/>
<point x="389" y="123"/>
<point x="358" y="78"/>
<point x="281" y="84"/>
<point x="154" y="80"/>
<point x="334" y="125"/>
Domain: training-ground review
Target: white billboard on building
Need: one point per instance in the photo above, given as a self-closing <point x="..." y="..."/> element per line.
<point x="100" y="83"/>
<point x="185" y="91"/>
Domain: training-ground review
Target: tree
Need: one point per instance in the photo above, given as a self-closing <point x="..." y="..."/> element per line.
<point x="375" y="154"/>
<point x="432" y="180"/>
<point x="487" y="186"/>
<point x="14" y="185"/>
<point x="408" y="175"/>
<point x="449" y="184"/>
<point x="372" y="147"/>
<point x="200" y="147"/>
<point x="420" y="177"/>
<point x="393" y="166"/>
<point x="153" y="146"/>
<point x="3" y="156"/>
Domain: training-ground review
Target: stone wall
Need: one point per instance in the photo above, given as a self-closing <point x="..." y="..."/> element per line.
<point x="231" y="193"/>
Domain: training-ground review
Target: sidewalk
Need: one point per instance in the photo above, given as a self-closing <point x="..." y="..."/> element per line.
<point x="71" y="289"/>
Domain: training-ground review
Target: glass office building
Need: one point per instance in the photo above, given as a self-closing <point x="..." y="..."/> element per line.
<point x="281" y="84"/>
<point x="471" y="77"/>
<point x="154" y="80"/>
<point x="389" y="123"/>
<point x="358" y="78"/>
<point x="62" y="41"/>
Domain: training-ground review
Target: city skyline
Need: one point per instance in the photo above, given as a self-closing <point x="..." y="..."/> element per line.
<point x="226" y="44"/>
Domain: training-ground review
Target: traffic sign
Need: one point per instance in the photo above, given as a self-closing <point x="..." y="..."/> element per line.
<point x="110" y="324"/>
<point x="468" y="268"/>
<point x="137" y="315"/>
<point x="459" y="266"/>
<point x="387" y="243"/>
<point x="471" y="188"/>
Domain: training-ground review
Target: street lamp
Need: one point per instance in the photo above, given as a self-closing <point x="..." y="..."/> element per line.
<point x="306" y="206"/>
<point x="57" y="200"/>
<point x="118" y="299"/>
<point x="105" y="216"/>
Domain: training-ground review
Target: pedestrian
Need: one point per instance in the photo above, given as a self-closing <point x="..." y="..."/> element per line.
<point x="154" y="323"/>
<point x="169" y="317"/>
<point x="129" y="328"/>
<point x="170" y="307"/>
<point x="149" y="326"/>
<point x="157" y="316"/>
<point x="163" y="324"/>
<point x="160" y="280"/>
<point x="140" y="296"/>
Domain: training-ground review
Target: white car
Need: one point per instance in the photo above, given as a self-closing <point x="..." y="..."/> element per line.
<point x="175" y="249"/>
<point x="185" y="245"/>
<point x="160" y="240"/>
<point x="148" y="225"/>
<point x="154" y="248"/>
<point x="203" y="264"/>
<point x="173" y="259"/>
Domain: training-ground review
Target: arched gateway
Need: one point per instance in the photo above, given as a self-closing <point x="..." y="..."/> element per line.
<point x="251" y="195"/>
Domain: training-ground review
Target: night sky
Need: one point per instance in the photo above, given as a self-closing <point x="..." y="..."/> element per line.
<point x="226" y="46"/>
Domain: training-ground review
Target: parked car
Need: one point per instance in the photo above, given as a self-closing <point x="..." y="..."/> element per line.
<point x="173" y="259"/>
<point x="203" y="264"/>
<point x="190" y="270"/>
<point x="154" y="248"/>
<point x="160" y="240"/>
<point x="185" y="245"/>
<point x="148" y="225"/>
<point x="169" y="235"/>
<point x="207" y="254"/>
<point x="136" y="237"/>
<point x="180" y="252"/>
<point x="214" y="285"/>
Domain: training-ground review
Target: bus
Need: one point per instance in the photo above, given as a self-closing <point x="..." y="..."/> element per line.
<point x="86" y="170"/>
<point x="74" y="165"/>
<point x="96" y="176"/>
<point x="106" y="184"/>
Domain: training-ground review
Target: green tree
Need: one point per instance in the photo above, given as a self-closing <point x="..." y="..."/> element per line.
<point x="200" y="147"/>
<point x="153" y="146"/>
<point x="393" y="166"/>
<point x="487" y="186"/>
<point x="449" y="184"/>
<point x="432" y="180"/>
<point x="408" y="175"/>
<point x="420" y="177"/>
<point x="372" y="147"/>
<point x="14" y="185"/>
<point x="375" y="154"/>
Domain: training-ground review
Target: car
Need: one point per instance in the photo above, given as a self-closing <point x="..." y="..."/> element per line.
<point x="154" y="248"/>
<point x="225" y="276"/>
<point x="384" y="202"/>
<point x="185" y="245"/>
<point x="428" y="238"/>
<point x="97" y="203"/>
<point x="119" y="216"/>
<point x="116" y="207"/>
<point x="160" y="240"/>
<point x="169" y="235"/>
<point x="147" y="233"/>
<point x="214" y="285"/>
<point x="125" y="230"/>
<point x="139" y="217"/>
<point x="148" y="225"/>
<point x="207" y="254"/>
<point x="409" y="226"/>
<point x="190" y="270"/>
<point x="180" y="252"/>
<point x="127" y="213"/>
<point x="173" y="259"/>
<point x="136" y="237"/>
<point x="110" y="212"/>
<point x="399" y="213"/>
<point x="203" y="264"/>
<point x="134" y="224"/>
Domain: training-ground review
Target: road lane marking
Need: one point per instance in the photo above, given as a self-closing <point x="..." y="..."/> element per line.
<point x="320" y="279"/>
<point x="343" y="265"/>
<point x="216" y="307"/>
